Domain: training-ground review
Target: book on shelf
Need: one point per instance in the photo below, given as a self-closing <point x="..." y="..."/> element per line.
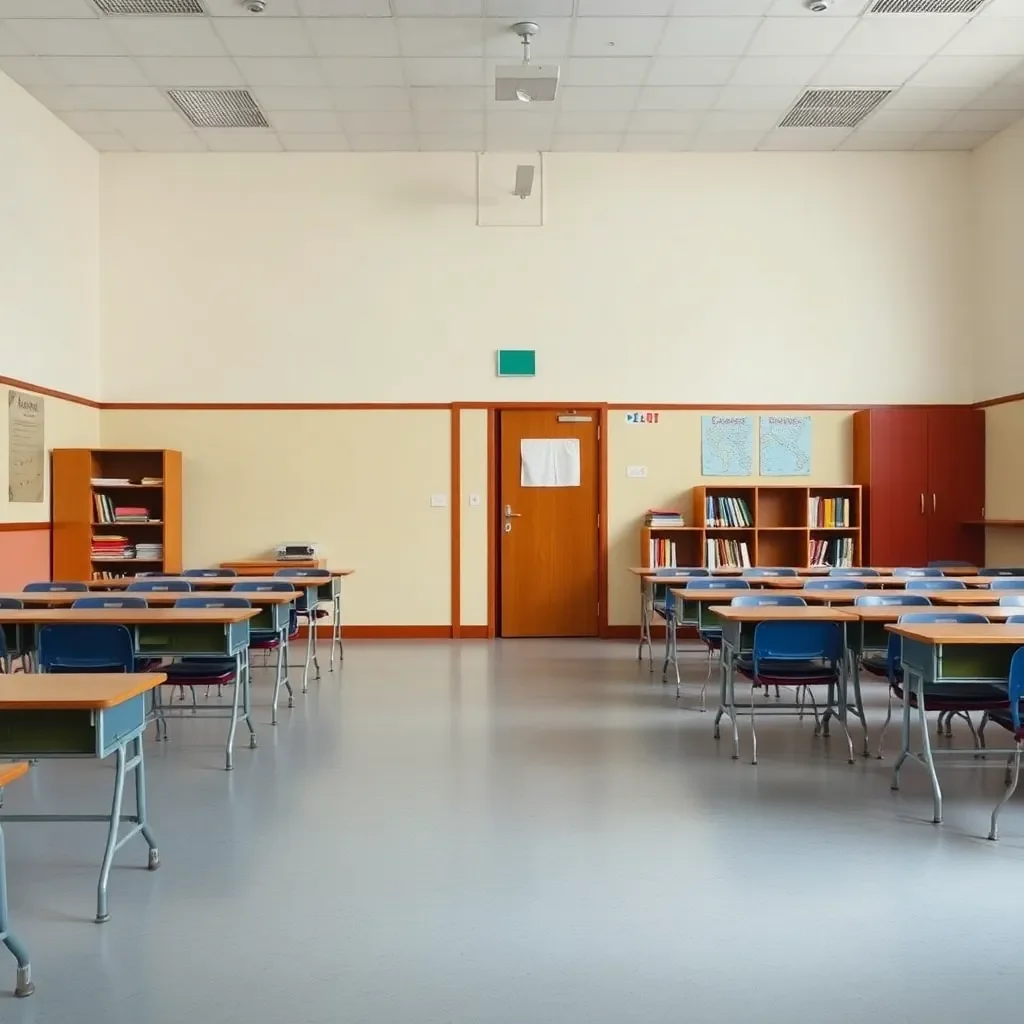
<point x="150" y="552"/>
<point x="662" y="553"/>
<point x="110" y="481"/>
<point x="110" y="545"/>
<point x="152" y="481"/>
<point x="726" y="554"/>
<point x="836" y="553"/>
<point x="663" y="517"/>
<point x="130" y="514"/>
<point x="829" y="513"/>
<point x="106" y="574"/>
<point x="727" y="511"/>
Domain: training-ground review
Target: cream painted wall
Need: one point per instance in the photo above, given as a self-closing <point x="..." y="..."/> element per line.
<point x="1004" y="486"/>
<point x="66" y="425"/>
<point x="49" y="248"/>
<point x="797" y="277"/>
<point x="357" y="482"/>
<point x="670" y="449"/>
<point x="473" y="459"/>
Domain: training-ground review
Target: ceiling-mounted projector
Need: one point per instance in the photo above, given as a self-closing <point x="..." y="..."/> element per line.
<point x="526" y="82"/>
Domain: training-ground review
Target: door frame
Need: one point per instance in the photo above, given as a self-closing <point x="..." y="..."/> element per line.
<point x="493" y="464"/>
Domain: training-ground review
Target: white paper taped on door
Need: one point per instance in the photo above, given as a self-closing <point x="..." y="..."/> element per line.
<point x="550" y="462"/>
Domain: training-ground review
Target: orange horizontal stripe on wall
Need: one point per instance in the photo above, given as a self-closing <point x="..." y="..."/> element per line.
<point x="38" y="389"/>
<point x="15" y="527"/>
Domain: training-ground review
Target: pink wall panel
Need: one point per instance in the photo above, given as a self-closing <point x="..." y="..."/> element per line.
<point x="24" y="556"/>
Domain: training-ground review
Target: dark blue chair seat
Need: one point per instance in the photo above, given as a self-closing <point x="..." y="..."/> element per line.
<point x="782" y="672"/>
<point x="878" y="665"/>
<point x="1004" y="717"/>
<point x="213" y="671"/>
<point x="264" y="641"/>
<point x="957" y="698"/>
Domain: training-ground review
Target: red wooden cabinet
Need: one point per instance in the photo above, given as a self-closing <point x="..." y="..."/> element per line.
<point x="923" y="473"/>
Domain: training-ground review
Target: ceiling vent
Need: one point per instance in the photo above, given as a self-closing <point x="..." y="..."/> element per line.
<point x="926" y="6"/>
<point x="219" y="108"/>
<point x="834" y="108"/>
<point x="121" y="7"/>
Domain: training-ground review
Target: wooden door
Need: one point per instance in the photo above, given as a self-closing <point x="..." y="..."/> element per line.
<point x="956" y="482"/>
<point x="897" y="486"/>
<point x="548" y="543"/>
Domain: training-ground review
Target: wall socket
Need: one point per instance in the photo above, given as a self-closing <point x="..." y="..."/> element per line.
<point x="635" y="472"/>
<point x="439" y="501"/>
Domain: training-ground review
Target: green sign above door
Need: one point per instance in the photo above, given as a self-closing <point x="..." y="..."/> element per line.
<point x="517" y="362"/>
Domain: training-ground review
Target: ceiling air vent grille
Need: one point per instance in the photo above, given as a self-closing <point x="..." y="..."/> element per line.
<point x="833" y="108"/>
<point x="926" y="6"/>
<point x="118" y="7"/>
<point x="219" y="108"/>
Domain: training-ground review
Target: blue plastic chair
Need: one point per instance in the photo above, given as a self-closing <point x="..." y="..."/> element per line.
<point x="86" y="648"/>
<point x="881" y="600"/>
<point x="936" y="584"/>
<point x="267" y="640"/>
<point x="210" y="573"/>
<point x="800" y="654"/>
<point x="11" y="643"/>
<point x="854" y="571"/>
<point x="57" y="586"/>
<point x="211" y="671"/>
<point x="711" y="637"/>
<point x="108" y="601"/>
<point x="1001" y="571"/>
<point x="834" y="583"/>
<point x="1014" y="620"/>
<point x="1012" y="600"/>
<point x="1007" y="583"/>
<point x="161" y="586"/>
<point x="905" y="571"/>
<point x="663" y="605"/>
<point x="752" y="600"/>
<point x="768" y="571"/>
<point x="1009" y="719"/>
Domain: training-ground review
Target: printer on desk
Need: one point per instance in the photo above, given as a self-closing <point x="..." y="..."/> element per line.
<point x="294" y="551"/>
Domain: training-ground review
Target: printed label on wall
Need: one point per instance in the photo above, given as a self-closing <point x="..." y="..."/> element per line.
<point x="25" y="446"/>
<point x="642" y="417"/>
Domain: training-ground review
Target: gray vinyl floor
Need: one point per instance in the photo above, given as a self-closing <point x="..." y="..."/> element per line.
<point x="518" y="832"/>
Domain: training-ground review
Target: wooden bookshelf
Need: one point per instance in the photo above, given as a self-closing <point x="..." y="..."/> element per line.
<point x="779" y="533"/>
<point x="76" y="517"/>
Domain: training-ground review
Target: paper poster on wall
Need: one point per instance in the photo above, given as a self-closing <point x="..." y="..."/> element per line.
<point x="785" y="445"/>
<point x="726" y="445"/>
<point x="550" y="462"/>
<point x="25" y="446"/>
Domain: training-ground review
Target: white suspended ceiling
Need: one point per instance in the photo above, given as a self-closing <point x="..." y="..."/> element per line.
<point x="637" y="75"/>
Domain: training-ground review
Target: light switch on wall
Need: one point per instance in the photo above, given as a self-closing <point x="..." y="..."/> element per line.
<point x="439" y="501"/>
<point x="474" y="500"/>
<point x="636" y="471"/>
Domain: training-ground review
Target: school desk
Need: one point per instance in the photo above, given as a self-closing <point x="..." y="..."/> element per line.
<point x="95" y="714"/>
<point x="23" y="985"/>
<point x="739" y="623"/>
<point x="970" y="597"/>
<point x="171" y="633"/>
<point x="951" y="653"/>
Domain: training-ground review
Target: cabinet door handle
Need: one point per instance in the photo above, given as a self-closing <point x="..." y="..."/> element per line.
<point x="933" y="501"/>
<point x="922" y="503"/>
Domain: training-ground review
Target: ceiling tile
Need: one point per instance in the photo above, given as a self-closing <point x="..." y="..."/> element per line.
<point x="450" y="122"/>
<point x="799" y="36"/>
<point x="799" y="9"/>
<point x="727" y="37"/>
<point x="863" y="139"/>
<point x="519" y="9"/>
<point x="439" y="97"/>
<point x="599" y="98"/>
<point x="437" y="8"/>
<point x="776" y="70"/>
<point x="199" y="72"/>
<point x="907" y="120"/>
<point x="587" y="143"/>
<point x="551" y="41"/>
<point x="860" y="70"/>
<point x="617" y="9"/>
<point x="726" y="142"/>
<point x="47" y="9"/>
<point x="70" y="37"/>
<point x="95" y="70"/>
<point x="305" y="121"/>
<point x="234" y="9"/>
<point x="382" y="97"/>
<point x="981" y="120"/>
<point x="355" y="37"/>
<point x="321" y="143"/>
<point x="183" y="142"/>
<point x="451" y="143"/>
<point x="913" y="97"/>
<point x="108" y="142"/>
<point x="757" y="97"/>
<point x="621" y="37"/>
<point x="641" y="143"/>
<point x="444" y="71"/>
<point x="651" y="122"/>
<point x="239" y="140"/>
<point x="519" y="144"/>
<point x="275" y="97"/>
<point x="956" y="71"/>
<point x="800" y="139"/>
<point x="441" y="37"/>
<point x="149" y="122"/>
<point x="100" y="97"/>
<point x="902" y="34"/>
<point x="345" y="8"/>
<point x="954" y="140"/>
<point x="990" y="37"/>
<point x="362" y="71"/>
<point x="1001" y="97"/>
<point x="678" y="97"/>
<point x="691" y="70"/>
<point x="1003" y="8"/>
<point x="1015" y="76"/>
<point x="605" y="70"/>
<point x="521" y="123"/>
<point x="386" y="122"/>
<point x="11" y="45"/>
<point x="167" y="37"/>
<point x="264" y="37"/>
<point x="31" y="70"/>
<point x="295" y="72"/>
<point x="86" y="121"/>
<point x="384" y="143"/>
<point x="592" y="121"/>
<point x="738" y="121"/>
<point x="722" y="8"/>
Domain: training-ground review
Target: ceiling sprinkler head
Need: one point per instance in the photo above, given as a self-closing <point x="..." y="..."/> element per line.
<point x="818" y="6"/>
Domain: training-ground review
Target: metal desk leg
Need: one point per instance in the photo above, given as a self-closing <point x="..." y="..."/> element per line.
<point x="282" y="675"/>
<point x="310" y="645"/>
<point x="645" y="628"/>
<point x="23" y="986"/>
<point x="926" y="753"/>
<point x="247" y="697"/>
<point x="336" y="630"/>
<point x="904" y="735"/>
<point x="844" y="686"/>
<point x="721" y="693"/>
<point x="236" y="699"/>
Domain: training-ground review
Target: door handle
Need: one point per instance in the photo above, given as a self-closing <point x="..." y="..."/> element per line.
<point x="509" y="514"/>
<point x="922" y="503"/>
<point x="933" y="501"/>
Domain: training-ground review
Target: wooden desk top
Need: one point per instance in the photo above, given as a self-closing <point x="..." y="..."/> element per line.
<point x="960" y="632"/>
<point x="24" y="691"/>
<point x="127" y="616"/>
<point x="892" y="612"/>
<point x="10" y="772"/>
<point x="781" y="613"/>
<point x="66" y="598"/>
<point x="216" y="582"/>
<point x="986" y="581"/>
<point x="968" y="596"/>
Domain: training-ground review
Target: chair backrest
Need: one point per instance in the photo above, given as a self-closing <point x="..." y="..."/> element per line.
<point x="108" y="601"/>
<point x="716" y="583"/>
<point x="883" y="599"/>
<point x="1007" y="583"/>
<point x="943" y="617"/>
<point x="933" y="584"/>
<point x="327" y="572"/>
<point x="797" y="641"/>
<point x="834" y="583"/>
<point x="854" y="571"/>
<point x="55" y="586"/>
<point x="163" y="586"/>
<point x="212" y="601"/>
<point x="209" y="572"/>
<point x="1015" y="685"/>
<point x="1012" y="600"/>
<point x="760" y="599"/>
<point x="271" y="587"/>
<point x="1015" y="620"/>
<point x="151" y="573"/>
<point x="1001" y="571"/>
<point x="930" y="571"/>
<point x="11" y="602"/>
<point x="86" y="648"/>
<point x="762" y="570"/>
